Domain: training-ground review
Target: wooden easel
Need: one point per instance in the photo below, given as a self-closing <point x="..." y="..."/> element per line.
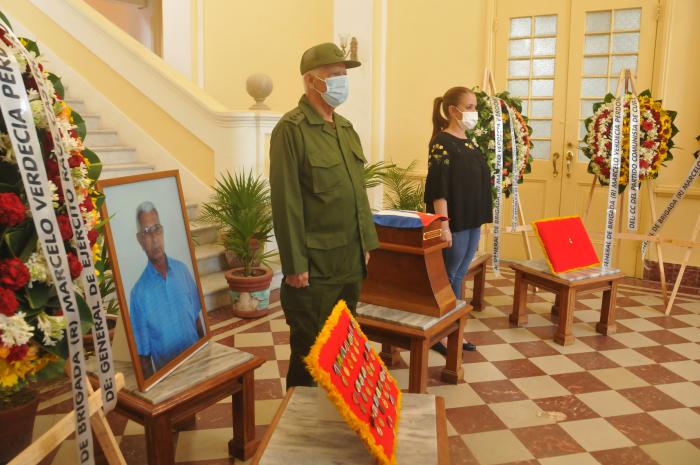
<point x="626" y="79"/>
<point x="488" y="85"/>
<point x="52" y="438"/>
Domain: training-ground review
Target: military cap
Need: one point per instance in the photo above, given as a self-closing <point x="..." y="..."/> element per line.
<point x="324" y="54"/>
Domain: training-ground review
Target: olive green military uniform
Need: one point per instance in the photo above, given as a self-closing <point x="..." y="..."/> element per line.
<point x="323" y="222"/>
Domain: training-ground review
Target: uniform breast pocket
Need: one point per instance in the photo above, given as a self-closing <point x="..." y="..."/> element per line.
<point x="326" y="171"/>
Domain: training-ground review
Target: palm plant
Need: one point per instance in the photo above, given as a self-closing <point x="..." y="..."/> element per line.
<point x="241" y="207"/>
<point x="403" y="188"/>
<point x="375" y="173"/>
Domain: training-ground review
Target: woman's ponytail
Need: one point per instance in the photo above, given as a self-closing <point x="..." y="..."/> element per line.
<point x="439" y="122"/>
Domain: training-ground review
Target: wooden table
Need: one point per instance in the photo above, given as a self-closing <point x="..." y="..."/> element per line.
<point x="566" y="286"/>
<point x="211" y="374"/>
<point x="477" y="272"/>
<point x="298" y="435"/>
<point x="396" y="328"/>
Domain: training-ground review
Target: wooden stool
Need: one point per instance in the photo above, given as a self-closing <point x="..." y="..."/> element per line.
<point x="477" y="272"/>
<point x="565" y="286"/>
<point x="297" y="436"/>
<point x="417" y="333"/>
<point x="211" y="374"/>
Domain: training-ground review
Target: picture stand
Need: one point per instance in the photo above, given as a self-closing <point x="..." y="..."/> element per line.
<point x="58" y="433"/>
<point x="488" y="85"/>
<point x="626" y="82"/>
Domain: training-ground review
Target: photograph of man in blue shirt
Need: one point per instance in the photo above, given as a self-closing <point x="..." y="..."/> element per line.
<point x="165" y="305"/>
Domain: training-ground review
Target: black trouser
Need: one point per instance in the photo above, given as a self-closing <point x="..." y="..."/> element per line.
<point x="306" y="310"/>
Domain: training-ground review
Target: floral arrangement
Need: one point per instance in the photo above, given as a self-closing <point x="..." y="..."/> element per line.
<point x="483" y="135"/>
<point x="656" y="131"/>
<point x="32" y="335"/>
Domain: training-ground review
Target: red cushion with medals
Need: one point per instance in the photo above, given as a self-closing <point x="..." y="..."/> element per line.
<point x="566" y="243"/>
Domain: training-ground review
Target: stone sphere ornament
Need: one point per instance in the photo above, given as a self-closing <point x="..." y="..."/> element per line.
<point x="259" y="86"/>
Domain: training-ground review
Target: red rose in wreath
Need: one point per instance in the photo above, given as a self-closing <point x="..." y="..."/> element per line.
<point x="8" y="302"/>
<point x="12" y="211"/>
<point x="17" y="353"/>
<point x="92" y="236"/>
<point x="65" y="227"/>
<point x="74" y="264"/>
<point x="13" y="274"/>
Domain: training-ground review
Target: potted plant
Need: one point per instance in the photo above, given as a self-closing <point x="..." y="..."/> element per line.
<point x="240" y="206"/>
<point x="32" y="329"/>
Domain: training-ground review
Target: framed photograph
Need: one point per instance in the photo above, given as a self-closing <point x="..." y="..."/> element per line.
<point x="155" y="272"/>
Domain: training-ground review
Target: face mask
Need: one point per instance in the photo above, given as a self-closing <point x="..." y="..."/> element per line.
<point x="469" y="119"/>
<point x="337" y="90"/>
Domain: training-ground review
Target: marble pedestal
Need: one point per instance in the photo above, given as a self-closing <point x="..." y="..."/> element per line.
<point x="417" y="333"/>
<point x="297" y="436"/>
<point x="214" y="372"/>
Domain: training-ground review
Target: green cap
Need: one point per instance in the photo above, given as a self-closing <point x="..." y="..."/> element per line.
<point x="324" y="54"/>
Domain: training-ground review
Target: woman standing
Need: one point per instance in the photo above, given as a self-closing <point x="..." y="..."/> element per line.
<point x="458" y="185"/>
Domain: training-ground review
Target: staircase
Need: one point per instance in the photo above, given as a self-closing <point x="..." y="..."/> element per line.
<point x="122" y="160"/>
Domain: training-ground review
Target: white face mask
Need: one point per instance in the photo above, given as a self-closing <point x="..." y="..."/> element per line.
<point x="469" y="119"/>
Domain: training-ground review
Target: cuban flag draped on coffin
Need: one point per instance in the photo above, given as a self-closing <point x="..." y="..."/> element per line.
<point x="405" y="219"/>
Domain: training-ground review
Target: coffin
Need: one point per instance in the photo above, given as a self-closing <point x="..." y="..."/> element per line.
<point x="407" y="271"/>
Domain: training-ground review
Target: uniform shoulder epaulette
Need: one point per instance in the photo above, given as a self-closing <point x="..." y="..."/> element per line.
<point x="295" y="116"/>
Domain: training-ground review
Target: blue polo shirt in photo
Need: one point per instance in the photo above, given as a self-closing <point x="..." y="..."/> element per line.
<point x="164" y="312"/>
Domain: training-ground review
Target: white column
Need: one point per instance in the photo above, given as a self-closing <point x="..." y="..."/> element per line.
<point x="354" y="17"/>
<point x="365" y="108"/>
<point x="178" y="35"/>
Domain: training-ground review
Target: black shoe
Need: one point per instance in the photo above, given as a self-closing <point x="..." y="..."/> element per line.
<point x="468" y="346"/>
<point x="440" y="348"/>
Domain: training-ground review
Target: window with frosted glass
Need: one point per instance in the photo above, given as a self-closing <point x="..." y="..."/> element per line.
<point x="611" y="44"/>
<point x="531" y="60"/>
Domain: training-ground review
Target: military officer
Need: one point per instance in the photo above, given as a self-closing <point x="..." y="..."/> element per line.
<point x="322" y="218"/>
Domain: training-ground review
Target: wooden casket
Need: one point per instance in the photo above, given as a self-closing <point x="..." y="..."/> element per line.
<point x="407" y="272"/>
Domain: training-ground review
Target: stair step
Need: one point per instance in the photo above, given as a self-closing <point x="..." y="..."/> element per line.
<point x="115" y="154"/>
<point x="215" y="290"/>
<point x="210" y="258"/>
<point x="76" y="105"/>
<point x="203" y="233"/>
<point x="101" y="138"/>
<point x="92" y="120"/>
<point x="116" y="170"/>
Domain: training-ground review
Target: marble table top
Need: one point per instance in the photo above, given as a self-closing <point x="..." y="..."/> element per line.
<point x="403" y="318"/>
<point x="206" y="363"/>
<point x="302" y="438"/>
<point x="577" y="275"/>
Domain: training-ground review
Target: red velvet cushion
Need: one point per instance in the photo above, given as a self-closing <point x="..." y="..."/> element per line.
<point x="566" y="243"/>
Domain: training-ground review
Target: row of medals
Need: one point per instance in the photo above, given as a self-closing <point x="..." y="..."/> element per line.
<point x="381" y="397"/>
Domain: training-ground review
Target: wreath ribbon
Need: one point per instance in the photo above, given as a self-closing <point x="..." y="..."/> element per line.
<point x="498" y="181"/>
<point x="614" y="181"/>
<point x="633" y="182"/>
<point x="19" y="121"/>
<point x="514" y="170"/>
<point x="656" y="227"/>
<point x="88" y="276"/>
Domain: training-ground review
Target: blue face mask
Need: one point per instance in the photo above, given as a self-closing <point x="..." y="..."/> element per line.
<point x="337" y="90"/>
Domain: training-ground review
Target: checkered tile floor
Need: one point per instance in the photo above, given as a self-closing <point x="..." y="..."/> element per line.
<point x="629" y="398"/>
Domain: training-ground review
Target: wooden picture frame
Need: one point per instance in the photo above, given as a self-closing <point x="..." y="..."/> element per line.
<point x="152" y="346"/>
